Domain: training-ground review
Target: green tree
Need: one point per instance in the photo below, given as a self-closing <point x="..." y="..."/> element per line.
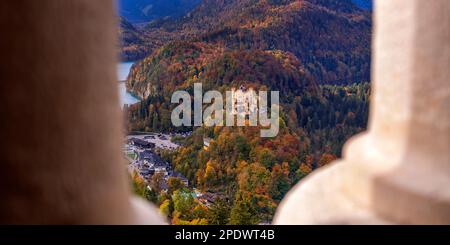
<point x="166" y="208"/>
<point x="266" y="158"/>
<point x="219" y="212"/>
<point x="174" y="184"/>
<point x="243" y="212"/>
<point x="280" y="182"/>
<point x="183" y="203"/>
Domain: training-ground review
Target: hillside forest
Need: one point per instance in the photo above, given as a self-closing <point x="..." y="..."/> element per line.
<point x="315" y="52"/>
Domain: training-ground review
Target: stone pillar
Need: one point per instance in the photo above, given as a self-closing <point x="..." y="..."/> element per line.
<point x="60" y="126"/>
<point x="399" y="170"/>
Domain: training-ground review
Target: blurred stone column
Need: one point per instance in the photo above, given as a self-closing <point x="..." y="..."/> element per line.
<point x="61" y="126"/>
<point x="398" y="171"/>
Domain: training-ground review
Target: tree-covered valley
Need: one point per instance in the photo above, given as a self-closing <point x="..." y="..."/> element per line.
<point x="315" y="52"/>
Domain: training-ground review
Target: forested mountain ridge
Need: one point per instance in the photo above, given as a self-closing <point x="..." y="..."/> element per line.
<point x="331" y="39"/>
<point x="132" y="41"/>
<point x="180" y="64"/>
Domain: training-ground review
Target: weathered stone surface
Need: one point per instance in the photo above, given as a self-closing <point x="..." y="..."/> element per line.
<point x="60" y="153"/>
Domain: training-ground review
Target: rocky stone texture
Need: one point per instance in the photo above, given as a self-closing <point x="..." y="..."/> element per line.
<point x="60" y="152"/>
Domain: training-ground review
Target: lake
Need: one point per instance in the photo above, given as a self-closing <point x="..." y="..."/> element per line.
<point x="126" y="98"/>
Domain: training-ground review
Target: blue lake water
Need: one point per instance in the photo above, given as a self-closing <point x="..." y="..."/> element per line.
<point x="123" y="69"/>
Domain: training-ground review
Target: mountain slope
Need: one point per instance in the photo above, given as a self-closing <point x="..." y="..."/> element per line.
<point x="178" y="65"/>
<point x="331" y="39"/>
<point x="138" y="11"/>
<point x="132" y="41"/>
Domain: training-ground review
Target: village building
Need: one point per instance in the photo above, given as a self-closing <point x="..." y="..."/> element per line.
<point x="141" y="143"/>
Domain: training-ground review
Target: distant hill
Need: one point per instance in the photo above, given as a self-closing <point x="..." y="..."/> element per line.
<point x="138" y="11"/>
<point x="132" y="41"/>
